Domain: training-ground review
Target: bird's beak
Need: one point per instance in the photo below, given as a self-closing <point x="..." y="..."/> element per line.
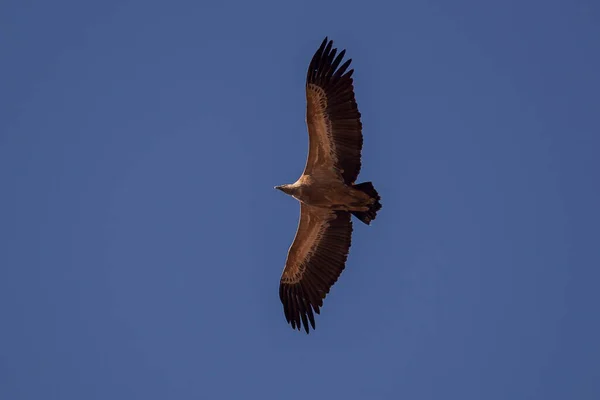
<point x="278" y="187"/>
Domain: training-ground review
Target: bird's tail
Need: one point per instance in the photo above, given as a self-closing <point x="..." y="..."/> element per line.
<point x="368" y="216"/>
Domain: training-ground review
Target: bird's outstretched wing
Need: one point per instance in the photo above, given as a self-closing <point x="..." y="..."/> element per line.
<point x="315" y="260"/>
<point x="332" y="117"/>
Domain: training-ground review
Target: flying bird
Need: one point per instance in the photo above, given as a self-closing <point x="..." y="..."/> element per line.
<point x="326" y="190"/>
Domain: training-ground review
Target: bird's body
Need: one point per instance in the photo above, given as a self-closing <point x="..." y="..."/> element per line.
<point x="329" y="194"/>
<point x="326" y="190"/>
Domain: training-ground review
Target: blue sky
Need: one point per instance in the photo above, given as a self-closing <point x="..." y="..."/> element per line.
<point x="142" y="240"/>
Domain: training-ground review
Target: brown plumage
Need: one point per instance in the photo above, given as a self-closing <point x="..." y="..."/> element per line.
<point x="326" y="190"/>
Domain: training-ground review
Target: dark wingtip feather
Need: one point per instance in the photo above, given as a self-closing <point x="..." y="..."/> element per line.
<point x="324" y="64"/>
<point x="311" y="317"/>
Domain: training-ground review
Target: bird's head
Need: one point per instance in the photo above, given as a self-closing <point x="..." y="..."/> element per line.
<point x="287" y="189"/>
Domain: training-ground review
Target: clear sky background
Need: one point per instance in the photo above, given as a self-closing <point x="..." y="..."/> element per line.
<point x="142" y="241"/>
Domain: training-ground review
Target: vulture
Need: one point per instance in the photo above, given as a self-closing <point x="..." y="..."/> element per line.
<point x="326" y="190"/>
